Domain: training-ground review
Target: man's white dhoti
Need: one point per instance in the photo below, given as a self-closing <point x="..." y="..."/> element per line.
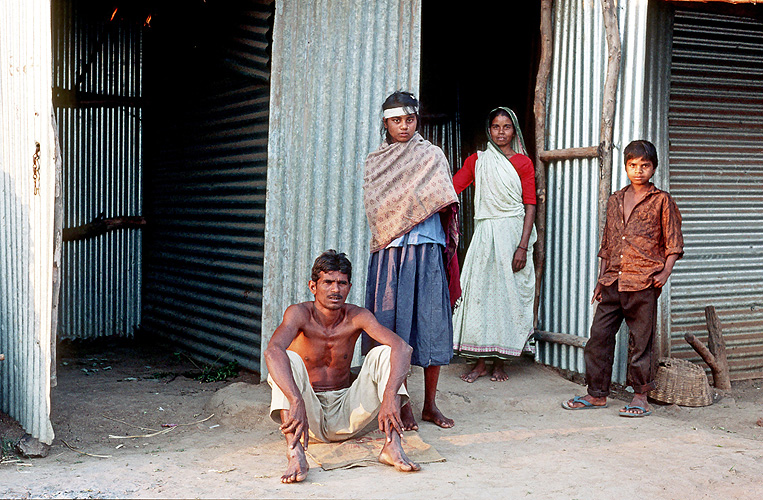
<point x="344" y="413"/>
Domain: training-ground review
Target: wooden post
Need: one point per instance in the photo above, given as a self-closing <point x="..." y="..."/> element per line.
<point x="715" y="356"/>
<point x="607" y="125"/>
<point x="58" y="227"/>
<point x="717" y="346"/>
<point x="539" y="108"/>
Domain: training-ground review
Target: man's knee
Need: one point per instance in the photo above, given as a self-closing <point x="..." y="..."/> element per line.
<point x="278" y="400"/>
<point x="382" y="352"/>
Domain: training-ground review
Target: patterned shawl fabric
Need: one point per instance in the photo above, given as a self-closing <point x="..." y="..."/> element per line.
<point x="404" y="184"/>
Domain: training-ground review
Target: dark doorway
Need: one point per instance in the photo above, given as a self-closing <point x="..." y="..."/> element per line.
<point x="475" y="58"/>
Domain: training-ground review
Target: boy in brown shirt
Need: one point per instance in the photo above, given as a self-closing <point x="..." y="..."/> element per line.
<point x="642" y="241"/>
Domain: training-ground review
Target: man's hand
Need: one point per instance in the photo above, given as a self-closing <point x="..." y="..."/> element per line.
<point x="389" y="418"/>
<point x="520" y="260"/>
<point x="296" y="424"/>
<point x="596" y="293"/>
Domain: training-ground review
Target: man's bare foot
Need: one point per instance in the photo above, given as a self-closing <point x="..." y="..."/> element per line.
<point x="478" y="370"/>
<point x="499" y="375"/>
<point x="409" y="421"/>
<point x="297" y="467"/>
<point x="577" y="404"/>
<point x="434" y="415"/>
<point x="392" y="454"/>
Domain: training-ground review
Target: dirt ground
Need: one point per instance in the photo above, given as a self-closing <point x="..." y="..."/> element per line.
<point x="511" y="439"/>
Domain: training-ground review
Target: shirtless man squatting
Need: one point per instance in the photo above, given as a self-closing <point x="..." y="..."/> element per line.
<point x="308" y="360"/>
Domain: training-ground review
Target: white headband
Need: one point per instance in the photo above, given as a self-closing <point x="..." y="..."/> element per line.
<point x="401" y="111"/>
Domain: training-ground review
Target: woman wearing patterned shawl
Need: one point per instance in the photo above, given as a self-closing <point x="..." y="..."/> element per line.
<point x="495" y="317"/>
<point x="412" y="210"/>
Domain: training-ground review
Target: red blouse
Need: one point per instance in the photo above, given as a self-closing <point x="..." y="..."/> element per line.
<point x="522" y="164"/>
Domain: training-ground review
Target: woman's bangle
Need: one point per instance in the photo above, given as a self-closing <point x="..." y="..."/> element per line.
<point x="523" y="248"/>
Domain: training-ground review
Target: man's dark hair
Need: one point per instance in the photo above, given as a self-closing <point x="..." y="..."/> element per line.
<point x="329" y="261"/>
<point x="401" y="99"/>
<point x="640" y="149"/>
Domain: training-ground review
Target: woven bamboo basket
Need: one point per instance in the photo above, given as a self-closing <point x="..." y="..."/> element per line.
<point x="681" y="382"/>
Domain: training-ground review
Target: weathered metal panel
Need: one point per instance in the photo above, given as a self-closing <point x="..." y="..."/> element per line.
<point x="205" y="205"/>
<point x="716" y="176"/>
<point x="574" y="107"/>
<point x="27" y="213"/>
<point x="334" y="62"/>
<point x="98" y="86"/>
<point x="656" y="105"/>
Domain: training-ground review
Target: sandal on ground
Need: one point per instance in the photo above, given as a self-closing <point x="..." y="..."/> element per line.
<point x="627" y="411"/>
<point x="587" y="405"/>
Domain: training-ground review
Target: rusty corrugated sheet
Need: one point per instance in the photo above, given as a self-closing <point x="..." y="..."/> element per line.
<point x="716" y="177"/>
<point x="334" y="62"/>
<point x="27" y="214"/>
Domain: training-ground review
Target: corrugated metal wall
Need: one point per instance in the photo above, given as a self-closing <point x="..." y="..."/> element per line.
<point x="205" y="203"/>
<point x="659" y="40"/>
<point x="574" y="108"/>
<point x="716" y="176"/>
<point x="98" y="84"/>
<point x="27" y="213"/>
<point x="334" y="62"/>
<point x="446" y="133"/>
<point x="248" y="51"/>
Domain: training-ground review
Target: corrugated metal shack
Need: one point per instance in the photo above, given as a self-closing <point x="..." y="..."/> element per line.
<point x="691" y="83"/>
<point x="238" y="130"/>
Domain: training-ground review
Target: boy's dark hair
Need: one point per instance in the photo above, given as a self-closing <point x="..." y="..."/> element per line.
<point x="329" y="261"/>
<point x="640" y="149"/>
<point x="401" y="99"/>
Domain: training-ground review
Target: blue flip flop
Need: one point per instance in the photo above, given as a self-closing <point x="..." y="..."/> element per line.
<point x="587" y="405"/>
<point x="625" y="411"/>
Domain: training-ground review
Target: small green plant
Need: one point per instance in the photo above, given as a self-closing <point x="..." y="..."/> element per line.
<point x="212" y="373"/>
<point x="7" y="449"/>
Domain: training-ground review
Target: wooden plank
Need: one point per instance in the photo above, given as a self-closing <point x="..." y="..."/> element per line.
<point x="561" y="338"/>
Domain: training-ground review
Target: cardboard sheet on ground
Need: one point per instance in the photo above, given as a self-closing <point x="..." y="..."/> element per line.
<point x="363" y="451"/>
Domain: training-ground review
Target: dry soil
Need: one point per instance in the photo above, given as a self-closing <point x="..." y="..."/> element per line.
<point x="511" y="440"/>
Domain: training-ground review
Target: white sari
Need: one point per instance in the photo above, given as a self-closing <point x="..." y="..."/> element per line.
<point x="495" y="316"/>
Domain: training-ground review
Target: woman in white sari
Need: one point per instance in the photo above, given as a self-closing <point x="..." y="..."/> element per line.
<point x="494" y="319"/>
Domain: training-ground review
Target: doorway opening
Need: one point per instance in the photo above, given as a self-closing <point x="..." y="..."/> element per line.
<point x="162" y="114"/>
<point x="473" y="60"/>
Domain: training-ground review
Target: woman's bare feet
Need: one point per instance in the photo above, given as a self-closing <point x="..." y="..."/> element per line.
<point x="478" y="370"/>
<point x="392" y="454"/>
<point x="433" y="414"/>
<point x="297" y="468"/>
<point x="409" y="421"/>
<point x="499" y="375"/>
